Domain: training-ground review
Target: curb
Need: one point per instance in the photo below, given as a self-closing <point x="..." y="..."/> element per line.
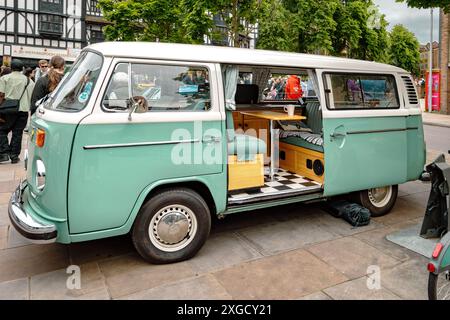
<point x="443" y="125"/>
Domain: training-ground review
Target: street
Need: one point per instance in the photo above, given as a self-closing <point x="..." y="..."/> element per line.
<point x="437" y="138"/>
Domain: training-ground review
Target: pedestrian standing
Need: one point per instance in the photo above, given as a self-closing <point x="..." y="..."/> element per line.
<point x="14" y="86"/>
<point x="41" y="70"/>
<point x="49" y="82"/>
<point x="4" y="71"/>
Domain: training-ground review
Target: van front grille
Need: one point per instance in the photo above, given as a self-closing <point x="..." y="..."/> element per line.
<point x="411" y="90"/>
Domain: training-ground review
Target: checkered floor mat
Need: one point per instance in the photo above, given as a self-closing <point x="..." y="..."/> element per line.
<point x="284" y="182"/>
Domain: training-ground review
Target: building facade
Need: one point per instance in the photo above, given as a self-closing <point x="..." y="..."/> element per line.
<point x="39" y="29"/>
<point x="444" y="62"/>
<point x="425" y="56"/>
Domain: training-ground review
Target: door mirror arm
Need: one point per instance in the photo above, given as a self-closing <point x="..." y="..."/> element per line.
<point x="133" y="105"/>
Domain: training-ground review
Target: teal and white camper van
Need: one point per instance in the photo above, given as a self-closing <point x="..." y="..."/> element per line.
<point x="155" y="139"/>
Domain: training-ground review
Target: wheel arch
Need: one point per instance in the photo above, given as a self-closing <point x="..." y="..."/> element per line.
<point x="198" y="185"/>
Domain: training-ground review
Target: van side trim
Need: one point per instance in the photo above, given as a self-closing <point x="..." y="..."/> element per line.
<point x="384" y="130"/>
<point x="138" y="144"/>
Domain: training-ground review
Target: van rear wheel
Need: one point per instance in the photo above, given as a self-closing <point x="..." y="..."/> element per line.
<point x="379" y="201"/>
<point x="171" y="226"/>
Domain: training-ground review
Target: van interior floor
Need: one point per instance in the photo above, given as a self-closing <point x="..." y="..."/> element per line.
<point x="284" y="184"/>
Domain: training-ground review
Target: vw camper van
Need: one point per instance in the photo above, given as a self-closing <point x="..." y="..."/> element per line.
<point x="156" y="139"/>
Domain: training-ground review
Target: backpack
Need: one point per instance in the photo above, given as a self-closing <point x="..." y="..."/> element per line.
<point x="353" y="213"/>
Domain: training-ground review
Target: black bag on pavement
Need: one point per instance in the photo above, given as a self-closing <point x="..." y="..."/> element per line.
<point x="12" y="105"/>
<point x="353" y="213"/>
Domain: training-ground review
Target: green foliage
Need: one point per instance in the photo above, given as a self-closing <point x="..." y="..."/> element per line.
<point x="276" y="29"/>
<point x="423" y="4"/>
<point x="151" y="20"/>
<point x="187" y="21"/>
<point x="350" y="28"/>
<point x="404" y="49"/>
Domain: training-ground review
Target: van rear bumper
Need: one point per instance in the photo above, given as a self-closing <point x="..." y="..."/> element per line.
<point x="25" y="224"/>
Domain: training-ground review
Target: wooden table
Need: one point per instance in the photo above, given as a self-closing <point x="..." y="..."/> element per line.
<point x="273" y="116"/>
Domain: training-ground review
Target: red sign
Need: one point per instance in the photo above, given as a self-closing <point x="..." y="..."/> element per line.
<point x="435" y="92"/>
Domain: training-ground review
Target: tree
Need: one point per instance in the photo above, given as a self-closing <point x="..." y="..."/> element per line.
<point x="144" y="20"/>
<point x="423" y="4"/>
<point x="361" y="32"/>
<point x="404" y="49"/>
<point x="239" y="16"/>
<point x="276" y="27"/>
<point x="186" y="21"/>
<point x="313" y="20"/>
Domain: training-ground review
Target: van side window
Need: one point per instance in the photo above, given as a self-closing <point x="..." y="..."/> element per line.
<point x="161" y="87"/>
<point x="361" y="91"/>
<point x="118" y="94"/>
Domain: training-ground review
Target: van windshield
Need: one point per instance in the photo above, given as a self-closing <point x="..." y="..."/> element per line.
<point x="74" y="91"/>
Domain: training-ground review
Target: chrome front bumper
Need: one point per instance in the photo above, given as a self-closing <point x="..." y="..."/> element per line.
<point x="25" y="224"/>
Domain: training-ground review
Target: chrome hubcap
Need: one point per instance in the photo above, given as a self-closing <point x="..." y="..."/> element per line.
<point x="443" y="286"/>
<point x="380" y="197"/>
<point x="172" y="228"/>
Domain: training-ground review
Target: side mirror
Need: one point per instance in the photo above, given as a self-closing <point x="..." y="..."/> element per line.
<point x="137" y="104"/>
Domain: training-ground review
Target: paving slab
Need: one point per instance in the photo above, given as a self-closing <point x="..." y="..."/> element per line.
<point x="316" y="296"/>
<point x="408" y="280"/>
<point x="14" y="289"/>
<point x="31" y="260"/>
<point x="238" y="221"/>
<point x="204" y="287"/>
<point x="377" y="238"/>
<point x="8" y="186"/>
<point x="221" y="251"/>
<point x="294" y="233"/>
<point x="4" y="218"/>
<point x="130" y="273"/>
<point x="6" y="175"/>
<point x="15" y="239"/>
<point x="3" y="237"/>
<point x="339" y="226"/>
<point x="96" y="250"/>
<point x="351" y="256"/>
<point x="284" y="276"/>
<point x="412" y="187"/>
<point x="410" y="238"/>
<point x="295" y="211"/>
<point x="406" y="208"/>
<point x="358" y="289"/>
<point x="4" y="197"/>
<point x="53" y="285"/>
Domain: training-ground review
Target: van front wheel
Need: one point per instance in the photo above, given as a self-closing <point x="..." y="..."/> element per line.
<point x="172" y="226"/>
<point x="379" y="201"/>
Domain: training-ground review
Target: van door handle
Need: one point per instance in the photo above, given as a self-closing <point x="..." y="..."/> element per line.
<point x="211" y="139"/>
<point x="336" y="135"/>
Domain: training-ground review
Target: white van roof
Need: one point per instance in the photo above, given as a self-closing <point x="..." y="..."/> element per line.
<point x="207" y="53"/>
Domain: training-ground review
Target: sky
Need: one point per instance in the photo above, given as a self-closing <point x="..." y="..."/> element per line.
<point x="416" y="20"/>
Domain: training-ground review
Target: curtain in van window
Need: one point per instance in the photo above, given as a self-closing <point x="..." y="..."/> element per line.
<point x="313" y="78"/>
<point x="230" y="76"/>
<point x="261" y="77"/>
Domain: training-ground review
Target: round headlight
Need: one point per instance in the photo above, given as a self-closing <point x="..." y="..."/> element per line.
<point x="40" y="175"/>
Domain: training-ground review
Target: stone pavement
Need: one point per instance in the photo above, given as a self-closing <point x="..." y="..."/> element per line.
<point x="436" y="119"/>
<point x="290" y="252"/>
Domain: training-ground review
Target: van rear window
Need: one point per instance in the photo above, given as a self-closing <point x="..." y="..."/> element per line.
<point x="361" y="91"/>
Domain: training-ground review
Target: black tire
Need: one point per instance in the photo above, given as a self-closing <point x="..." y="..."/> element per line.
<point x="381" y="209"/>
<point x="182" y="202"/>
<point x="432" y="286"/>
<point x="436" y="283"/>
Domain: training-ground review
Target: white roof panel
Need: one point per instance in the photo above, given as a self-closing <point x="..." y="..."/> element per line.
<point x="206" y="53"/>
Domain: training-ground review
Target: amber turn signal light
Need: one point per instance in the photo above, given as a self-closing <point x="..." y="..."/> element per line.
<point x="40" y="138"/>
